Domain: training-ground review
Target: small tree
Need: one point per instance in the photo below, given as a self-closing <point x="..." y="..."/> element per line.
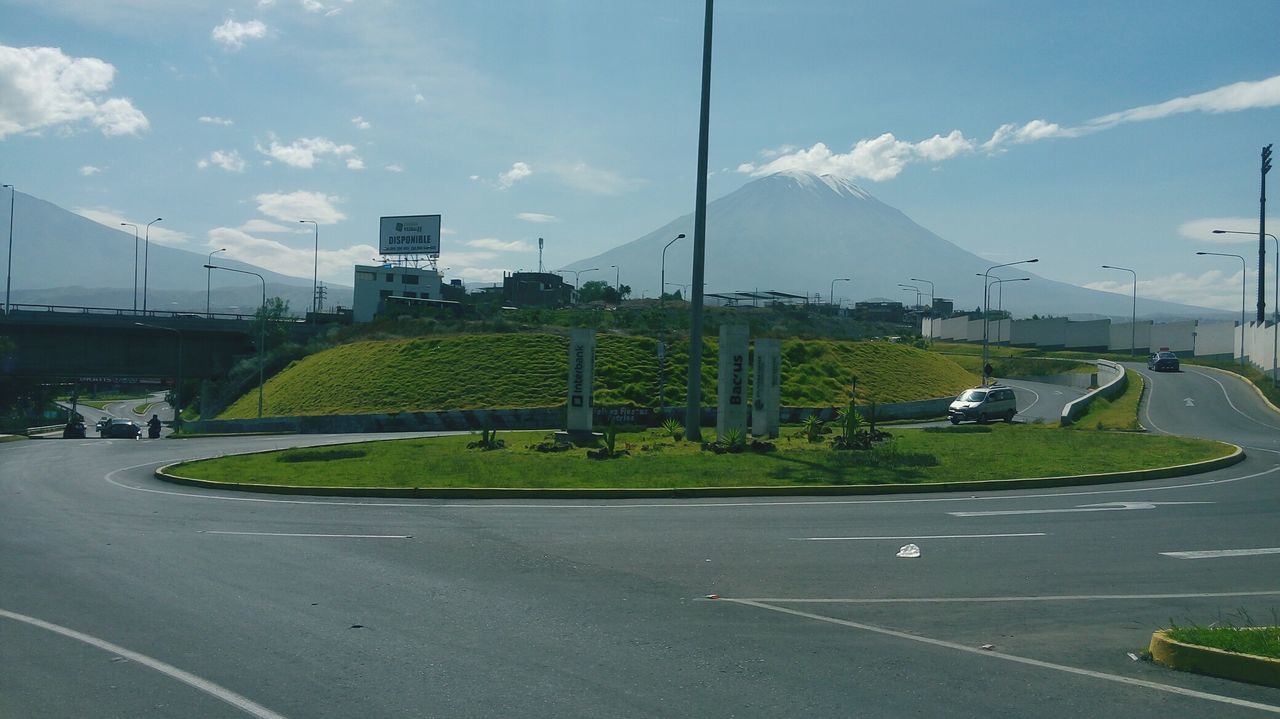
<point x="593" y="291"/>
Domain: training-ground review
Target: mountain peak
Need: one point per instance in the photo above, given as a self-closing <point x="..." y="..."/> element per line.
<point x="815" y="182"/>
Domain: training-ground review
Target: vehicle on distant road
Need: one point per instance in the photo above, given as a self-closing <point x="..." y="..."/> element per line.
<point x="118" y="428"/>
<point x="1163" y="361"/>
<point x="982" y="404"/>
<point x="73" y="430"/>
<point x="102" y="423"/>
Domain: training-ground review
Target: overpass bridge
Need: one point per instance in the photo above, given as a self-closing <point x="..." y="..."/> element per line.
<point x="108" y="345"/>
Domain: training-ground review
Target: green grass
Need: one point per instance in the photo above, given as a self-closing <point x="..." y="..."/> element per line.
<point x="1118" y="414"/>
<point x="529" y="370"/>
<point x="1259" y="641"/>
<point x="657" y="461"/>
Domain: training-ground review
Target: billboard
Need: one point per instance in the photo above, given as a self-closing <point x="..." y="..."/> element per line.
<point x="410" y="235"/>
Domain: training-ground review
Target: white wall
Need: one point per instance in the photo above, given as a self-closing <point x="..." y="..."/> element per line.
<point x="1212" y="338"/>
<point x="1125" y="335"/>
<point x="371" y="282"/>
<point x="1082" y="335"/>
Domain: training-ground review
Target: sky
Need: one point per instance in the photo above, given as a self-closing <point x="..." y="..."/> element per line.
<point x="1081" y="133"/>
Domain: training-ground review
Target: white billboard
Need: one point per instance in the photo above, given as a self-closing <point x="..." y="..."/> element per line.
<point x="411" y="235"/>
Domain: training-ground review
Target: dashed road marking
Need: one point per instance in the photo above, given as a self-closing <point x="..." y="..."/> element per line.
<point x="1218" y="553"/>
<point x="935" y="536"/>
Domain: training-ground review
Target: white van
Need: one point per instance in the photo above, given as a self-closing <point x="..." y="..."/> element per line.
<point x="982" y="404"/>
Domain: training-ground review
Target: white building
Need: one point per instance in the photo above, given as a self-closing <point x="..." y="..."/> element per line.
<point x="375" y="283"/>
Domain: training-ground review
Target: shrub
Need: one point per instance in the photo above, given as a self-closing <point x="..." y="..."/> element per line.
<point x="673" y="428"/>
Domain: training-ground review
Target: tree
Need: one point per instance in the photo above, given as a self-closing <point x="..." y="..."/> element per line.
<point x="592" y="291"/>
<point x="273" y="313"/>
<point x="616" y="295"/>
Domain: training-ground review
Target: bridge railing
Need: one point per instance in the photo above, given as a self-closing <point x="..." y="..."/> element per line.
<point x="123" y="312"/>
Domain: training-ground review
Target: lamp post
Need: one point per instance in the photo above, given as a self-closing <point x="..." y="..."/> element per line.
<point x="1133" y="321"/>
<point x="662" y="289"/>
<point x="832" y="294"/>
<point x="915" y="289"/>
<point x="1275" y="306"/>
<point x="135" y="262"/>
<point x="1244" y="292"/>
<point x="315" y="266"/>
<point x="1000" y="303"/>
<point x="986" y="313"/>
<point x="146" y="262"/>
<point x="617" y="281"/>
<point x="177" y="387"/>
<point x="8" y="275"/>
<point x="208" y="285"/>
<point x="262" y="335"/>
<point x="575" y="279"/>
<point x="693" y="395"/>
<point x="931" y="298"/>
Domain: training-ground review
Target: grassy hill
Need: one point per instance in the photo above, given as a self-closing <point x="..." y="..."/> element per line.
<point x="474" y="371"/>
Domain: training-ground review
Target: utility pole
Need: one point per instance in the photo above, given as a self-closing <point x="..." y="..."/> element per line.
<point x="693" y="405"/>
<point x="1262" y="235"/>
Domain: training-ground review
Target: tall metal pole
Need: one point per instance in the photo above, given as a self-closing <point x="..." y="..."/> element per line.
<point x="662" y="290"/>
<point x="1244" y="292"/>
<point x="1262" y="233"/>
<point x="1275" y="306"/>
<point x="693" y="409"/>
<point x="146" y="262"/>
<point x="135" y="262"/>
<point x="832" y="289"/>
<point x="931" y="298"/>
<point x="8" y="275"/>
<point x="208" y="285"/>
<point x="315" y="268"/>
<point x="262" y="335"/>
<point x="1133" y="321"/>
<point x="986" y="311"/>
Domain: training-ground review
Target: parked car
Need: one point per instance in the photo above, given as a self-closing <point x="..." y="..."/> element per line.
<point x="982" y="404"/>
<point x="1163" y="361"/>
<point x="122" y="429"/>
<point x="73" y="430"/>
<point x="102" y="423"/>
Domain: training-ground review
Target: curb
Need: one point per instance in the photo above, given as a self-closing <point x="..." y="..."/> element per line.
<point x="1246" y="380"/>
<point x="1138" y="475"/>
<point x="1215" y="662"/>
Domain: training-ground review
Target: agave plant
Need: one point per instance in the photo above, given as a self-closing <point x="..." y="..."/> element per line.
<point x="673" y="428"/>
<point x="812" y="428"/>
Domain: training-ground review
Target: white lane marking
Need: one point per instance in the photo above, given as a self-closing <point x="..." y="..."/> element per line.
<point x="1188" y="402"/>
<point x="1042" y="598"/>
<point x="1012" y="658"/>
<point x="293" y="534"/>
<point x="936" y="536"/>
<point x="204" y="685"/>
<point x="1104" y="507"/>
<point x="1216" y="553"/>
<point x="109" y="478"/>
<point x="1233" y="404"/>
<point x="1151" y="396"/>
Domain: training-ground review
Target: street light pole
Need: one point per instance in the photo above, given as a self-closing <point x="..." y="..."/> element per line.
<point x="177" y="388"/>
<point x="315" y="267"/>
<point x="575" y="278"/>
<point x="208" y="285"/>
<point x="1275" y="306"/>
<point x="617" y="281"/>
<point x="1133" y="321"/>
<point x="931" y="299"/>
<point x="262" y="335"/>
<point x="135" y="262"/>
<point x="986" y="311"/>
<point x="662" y="290"/>
<point x="693" y="395"/>
<point x="146" y="262"/>
<point x="1000" y="304"/>
<point x="8" y="275"/>
<point x="832" y="295"/>
<point x="1244" y="292"/>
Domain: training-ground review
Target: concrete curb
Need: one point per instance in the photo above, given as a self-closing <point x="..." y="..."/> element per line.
<point x="1246" y="380"/>
<point x="164" y="474"/>
<point x="1214" y="662"/>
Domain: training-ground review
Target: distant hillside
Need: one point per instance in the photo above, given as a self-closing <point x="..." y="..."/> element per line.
<point x="482" y="371"/>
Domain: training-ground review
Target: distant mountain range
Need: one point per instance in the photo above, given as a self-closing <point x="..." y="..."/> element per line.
<point x="796" y="232"/>
<point x="61" y="258"/>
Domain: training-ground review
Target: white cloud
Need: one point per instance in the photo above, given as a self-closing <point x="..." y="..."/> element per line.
<point x="1202" y="229"/>
<point x="209" y="120"/>
<point x="232" y="34"/>
<point x="581" y="176"/>
<point x="518" y="171"/>
<point x="112" y="218"/>
<point x="305" y="151"/>
<point x="292" y="206"/>
<point x="355" y="163"/>
<point x="43" y="87"/>
<point x="360" y="123"/>
<point x="1213" y="288"/>
<point x="229" y="161"/>
<point x="419" y="98"/>
<point x="489" y="243"/>
<point x="90" y="170"/>
<point x="885" y="157"/>
<point x="393" y="168"/>
<point x="333" y="265"/>
<point x="537" y="217"/>
<point x="311" y="5"/>
<point x="257" y="225"/>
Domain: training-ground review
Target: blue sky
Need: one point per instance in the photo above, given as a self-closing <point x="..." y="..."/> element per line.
<point x="1083" y="133"/>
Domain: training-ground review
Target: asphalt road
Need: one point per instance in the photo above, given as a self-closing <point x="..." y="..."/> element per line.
<point x="122" y="596"/>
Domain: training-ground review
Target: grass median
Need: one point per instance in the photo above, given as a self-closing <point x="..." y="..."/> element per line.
<point x="654" y="460"/>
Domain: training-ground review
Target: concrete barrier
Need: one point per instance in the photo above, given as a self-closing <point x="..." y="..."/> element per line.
<point x="1112" y="383"/>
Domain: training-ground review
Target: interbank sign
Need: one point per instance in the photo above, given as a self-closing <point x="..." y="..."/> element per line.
<point x="410" y="235"/>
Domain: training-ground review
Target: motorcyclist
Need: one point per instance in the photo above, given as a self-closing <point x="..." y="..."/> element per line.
<point x="153" y="427"/>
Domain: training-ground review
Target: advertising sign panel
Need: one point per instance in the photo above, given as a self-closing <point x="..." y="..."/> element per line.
<point x="731" y="405"/>
<point x="582" y="357"/>
<point x="409" y="235"/>
<point x="767" y="389"/>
